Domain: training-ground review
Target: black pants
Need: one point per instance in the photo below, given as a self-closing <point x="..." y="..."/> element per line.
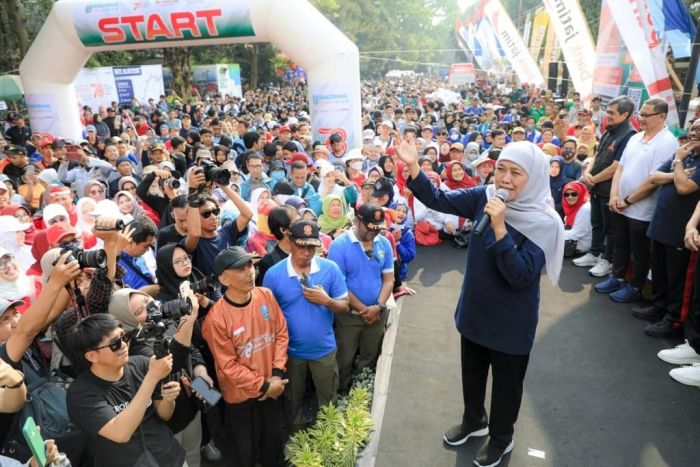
<point x="631" y="242"/>
<point x="601" y="242"/>
<point x="254" y="434"/>
<point x="670" y="279"/>
<point x="508" y="372"/>
<point x="692" y="324"/>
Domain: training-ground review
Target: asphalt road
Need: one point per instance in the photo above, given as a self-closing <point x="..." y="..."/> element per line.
<point x="595" y="392"/>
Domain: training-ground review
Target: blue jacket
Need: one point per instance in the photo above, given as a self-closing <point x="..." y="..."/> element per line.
<point x="406" y="248"/>
<point x="499" y="302"/>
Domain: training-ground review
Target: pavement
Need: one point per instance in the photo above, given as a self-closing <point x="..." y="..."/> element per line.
<point x="595" y="392"/>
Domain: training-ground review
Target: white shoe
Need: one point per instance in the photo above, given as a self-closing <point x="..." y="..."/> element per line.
<point x="689" y="375"/>
<point x="586" y="261"/>
<point x="682" y="354"/>
<point x="601" y="269"/>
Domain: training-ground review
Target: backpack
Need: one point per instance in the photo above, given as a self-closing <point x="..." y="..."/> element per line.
<point x="46" y="404"/>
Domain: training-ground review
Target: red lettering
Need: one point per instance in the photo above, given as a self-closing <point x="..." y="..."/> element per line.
<point x="111" y="32"/>
<point x="156" y="28"/>
<point x="133" y="22"/>
<point x="184" y="21"/>
<point x="209" y="16"/>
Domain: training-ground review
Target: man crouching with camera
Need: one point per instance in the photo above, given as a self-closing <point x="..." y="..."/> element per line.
<point x="120" y="402"/>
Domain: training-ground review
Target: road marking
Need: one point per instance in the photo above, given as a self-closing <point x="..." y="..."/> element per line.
<point x="535" y="453"/>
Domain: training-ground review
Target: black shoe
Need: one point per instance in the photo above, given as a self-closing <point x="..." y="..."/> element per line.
<point x="458" y="434"/>
<point x="648" y="312"/>
<point x="664" y="328"/>
<point x="491" y="453"/>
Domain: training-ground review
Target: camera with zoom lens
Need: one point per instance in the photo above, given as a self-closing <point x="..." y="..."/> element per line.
<point x="172" y="183"/>
<point x="204" y="286"/>
<point x="212" y="173"/>
<point x="171" y="310"/>
<point x="86" y="259"/>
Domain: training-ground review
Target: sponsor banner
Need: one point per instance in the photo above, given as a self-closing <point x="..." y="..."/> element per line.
<point x="113" y="22"/>
<point x="221" y="78"/>
<point x="332" y="107"/>
<point x="575" y="41"/>
<point x="636" y="27"/>
<point x="512" y="44"/>
<point x="43" y="113"/>
<point x="101" y="86"/>
<point x="539" y="32"/>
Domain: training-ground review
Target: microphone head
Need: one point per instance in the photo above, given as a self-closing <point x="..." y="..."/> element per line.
<point x="502" y="194"/>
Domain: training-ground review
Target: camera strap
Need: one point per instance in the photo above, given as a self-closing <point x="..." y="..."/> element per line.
<point x="129" y="262"/>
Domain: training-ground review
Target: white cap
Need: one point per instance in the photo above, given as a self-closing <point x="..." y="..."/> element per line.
<point x="12" y="224"/>
<point x="353" y="154"/>
<point x="52" y="211"/>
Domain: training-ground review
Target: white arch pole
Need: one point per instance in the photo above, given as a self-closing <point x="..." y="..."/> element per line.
<point x="77" y="28"/>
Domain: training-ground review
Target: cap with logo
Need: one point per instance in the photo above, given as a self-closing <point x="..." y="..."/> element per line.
<point x="305" y="233"/>
<point x="372" y="216"/>
<point x="382" y="186"/>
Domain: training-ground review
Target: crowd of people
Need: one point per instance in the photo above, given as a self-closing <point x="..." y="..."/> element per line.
<point x="266" y="263"/>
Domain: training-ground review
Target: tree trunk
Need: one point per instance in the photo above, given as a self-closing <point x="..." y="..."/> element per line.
<point x="14" y="12"/>
<point x="254" y="70"/>
<point x="178" y="60"/>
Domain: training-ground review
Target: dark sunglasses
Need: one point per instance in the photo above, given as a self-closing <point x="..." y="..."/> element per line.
<point x="571" y="194"/>
<point x="116" y="344"/>
<point x="207" y="214"/>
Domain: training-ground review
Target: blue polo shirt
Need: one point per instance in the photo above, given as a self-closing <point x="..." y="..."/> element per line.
<point x="363" y="274"/>
<point x="310" y="325"/>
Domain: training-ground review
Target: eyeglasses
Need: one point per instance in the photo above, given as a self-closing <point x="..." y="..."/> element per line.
<point x="207" y="214"/>
<point x="5" y="261"/>
<point x="571" y="194"/>
<point x="116" y="343"/>
<point x="643" y="115"/>
<point x="182" y="261"/>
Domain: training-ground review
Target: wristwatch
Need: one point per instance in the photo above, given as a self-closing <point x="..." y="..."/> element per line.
<point x="382" y="308"/>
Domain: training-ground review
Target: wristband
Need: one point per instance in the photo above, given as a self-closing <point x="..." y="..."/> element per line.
<point x="627" y="201"/>
<point x="193" y="201"/>
<point x="676" y="161"/>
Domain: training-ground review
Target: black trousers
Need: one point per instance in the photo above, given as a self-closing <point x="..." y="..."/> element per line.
<point x="508" y="373"/>
<point x="692" y="324"/>
<point x="670" y="279"/>
<point x="601" y="242"/>
<point x="254" y="434"/>
<point x="631" y="242"/>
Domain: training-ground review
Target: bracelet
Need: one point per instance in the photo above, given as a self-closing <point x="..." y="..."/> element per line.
<point x="676" y="161"/>
<point x="15" y="386"/>
<point x="627" y="201"/>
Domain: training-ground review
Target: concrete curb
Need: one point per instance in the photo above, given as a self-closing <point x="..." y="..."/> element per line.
<point x="368" y="455"/>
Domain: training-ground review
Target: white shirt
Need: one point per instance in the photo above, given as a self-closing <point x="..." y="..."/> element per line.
<point x="639" y="160"/>
<point x="581" y="231"/>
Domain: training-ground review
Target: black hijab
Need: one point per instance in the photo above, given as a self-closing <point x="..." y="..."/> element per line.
<point x="168" y="280"/>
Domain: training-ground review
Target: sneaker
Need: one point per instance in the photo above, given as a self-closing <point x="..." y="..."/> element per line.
<point x="689" y="375"/>
<point x="211" y="452"/>
<point x="490" y="454"/>
<point x="626" y="294"/>
<point x="682" y="354"/>
<point x="458" y="435"/>
<point x="601" y="269"/>
<point x="586" y="261"/>
<point x="664" y="328"/>
<point x="648" y="312"/>
<point x="609" y="285"/>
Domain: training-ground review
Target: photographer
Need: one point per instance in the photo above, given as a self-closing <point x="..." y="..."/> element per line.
<point x="138" y="275"/>
<point x="134" y="309"/>
<point x="120" y="402"/>
<point x="156" y="190"/>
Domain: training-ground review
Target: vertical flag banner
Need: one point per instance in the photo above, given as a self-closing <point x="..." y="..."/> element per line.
<point x="476" y="34"/>
<point x="551" y="48"/>
<point x="615" y="74"/>
<point x="576" y="42"/>
<point x="528" y="29"/>
<point x="636" y="27"/>
<point x="539" y="32"/>
<point x="512" y="44"/>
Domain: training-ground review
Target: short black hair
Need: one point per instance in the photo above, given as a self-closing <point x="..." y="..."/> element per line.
<point x="205" y="131"/>
<point x="298" y="165"/>
<point x="86" y="335"/>
<point x="250" y="139"/>
<point x="278" y="219"/>
<point x="143" y="229"/>
<point x="291" y="147"/>
<point x="252" y="155"/>
<point x="180" y="201"/>
<point x="270" y="149"/>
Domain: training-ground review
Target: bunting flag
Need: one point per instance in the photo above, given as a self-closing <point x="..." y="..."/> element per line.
<point x="566" y="19"/>
<point x="637" y="29"/>
<point x="512" y="44"/>
<point x="674" y="25"/>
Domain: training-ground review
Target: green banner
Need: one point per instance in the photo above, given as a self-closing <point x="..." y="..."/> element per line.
<point x="100" y="23"/>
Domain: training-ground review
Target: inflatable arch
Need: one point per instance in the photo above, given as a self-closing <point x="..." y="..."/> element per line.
<point x="77" y="28"/>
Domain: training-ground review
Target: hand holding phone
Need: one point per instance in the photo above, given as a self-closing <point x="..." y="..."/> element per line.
<point x="34" y="440"/>
<point x="210" y="395"/>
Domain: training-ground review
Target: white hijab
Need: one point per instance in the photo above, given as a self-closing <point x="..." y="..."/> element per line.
<point x="532" y="212"/>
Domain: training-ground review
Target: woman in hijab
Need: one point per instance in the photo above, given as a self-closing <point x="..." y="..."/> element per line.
<point x="262" y="240"/>
<point x="128" y="205"/>
<point x="577" y="218"/>
<point x="174" y="265"/>
<point x="334" y="219"/>
<point x="456" y="177"/>
<point x="95" y="189"/>
<point x="471" y="153"/>
<point x="12" y="239"/>
<point x="24" y="215"/>
<point x="557" y="180"/>
<point x="15" y="284"/>
<point x="498" y="307"/>
<point x="386" y="163"/>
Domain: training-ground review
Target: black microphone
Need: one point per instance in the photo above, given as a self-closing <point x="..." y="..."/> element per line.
<point x="485" y="220"/>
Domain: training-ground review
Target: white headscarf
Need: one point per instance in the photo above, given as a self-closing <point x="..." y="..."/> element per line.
<point x="532" y="212"/>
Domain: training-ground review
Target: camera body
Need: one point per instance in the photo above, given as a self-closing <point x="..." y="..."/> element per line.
<point x="172" y="183"/>
<point x="86" y="259"/>
<point x="204" y="286"/>
<point x="212" y="173"/>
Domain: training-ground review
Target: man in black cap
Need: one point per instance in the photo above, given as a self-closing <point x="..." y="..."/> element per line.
<point x="18" y="163"/>
<point x="247" y="335"/>
<point x="366" y="260"/>
<point x="310" y="291"/>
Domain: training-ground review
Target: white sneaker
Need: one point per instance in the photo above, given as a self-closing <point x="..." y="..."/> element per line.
<point x="586" y="261"/>
<point x="682" y="354"/>
<point x="689" y="375"/>
<point x="601" y="269"/>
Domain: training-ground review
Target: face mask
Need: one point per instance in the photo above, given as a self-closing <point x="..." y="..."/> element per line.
<point x="530" y="127"/>
<point x="356" y="165"/>
<point x="277" y="175"/>
<point x="581" y="157"/>
<point x="567" y="153"/>
<point x="472" y="157"/>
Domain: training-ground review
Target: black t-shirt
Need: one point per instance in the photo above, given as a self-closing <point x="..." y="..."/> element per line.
<point x="168" y="235"/>
<point x="92" y="402"/>
<point x="6" y="419"/>
<point x="270" y="259"/>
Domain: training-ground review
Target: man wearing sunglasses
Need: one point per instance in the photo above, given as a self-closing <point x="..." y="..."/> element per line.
<point x="120" y="402"/>
<point x="204" y="237"/>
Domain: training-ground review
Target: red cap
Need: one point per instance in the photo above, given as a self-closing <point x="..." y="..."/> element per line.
<point x="284" y="128"/>
<point x="299" y="156"/>
<point x="390" y="151"/>
<point x="56" y="232"/>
